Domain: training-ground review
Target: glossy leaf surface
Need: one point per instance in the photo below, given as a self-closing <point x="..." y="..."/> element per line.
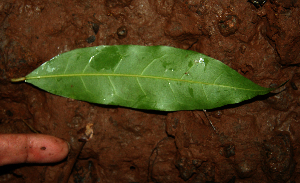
<point x="144" y="77"/>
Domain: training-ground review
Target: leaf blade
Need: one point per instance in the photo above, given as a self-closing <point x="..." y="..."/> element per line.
<point x="155" y="78"/>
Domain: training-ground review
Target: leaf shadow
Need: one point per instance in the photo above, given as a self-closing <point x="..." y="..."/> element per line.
<point x="245" y="102"/>
<point x="129" y="108"/>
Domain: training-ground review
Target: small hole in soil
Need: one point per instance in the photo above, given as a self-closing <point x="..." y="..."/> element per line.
<point x="132" y="168"/>
<point x="9" y="113"/>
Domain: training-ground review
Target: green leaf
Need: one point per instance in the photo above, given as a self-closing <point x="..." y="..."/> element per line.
<point x="144" y="77"/>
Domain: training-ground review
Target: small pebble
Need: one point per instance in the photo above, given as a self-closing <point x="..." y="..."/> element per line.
<point x="246" y="168"/>
<point x="228" y="25"/>
<point x="122" y="32"/>
<point x="294" y="86"/>
<point x="95" y="28"/>
<point x="91" y="39"/>
<point x="228" y="151"/>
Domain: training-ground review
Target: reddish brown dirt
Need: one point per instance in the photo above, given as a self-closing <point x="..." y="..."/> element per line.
<point x="255" y="141"/>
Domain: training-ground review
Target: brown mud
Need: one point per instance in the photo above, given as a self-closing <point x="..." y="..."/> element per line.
<point x="255" y="141"/>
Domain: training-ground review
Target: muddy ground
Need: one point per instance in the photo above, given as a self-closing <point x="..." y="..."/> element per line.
<point x="255" y="141"/>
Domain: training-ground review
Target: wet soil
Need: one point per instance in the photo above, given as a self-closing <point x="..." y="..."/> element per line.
<point x="255" y="141"/>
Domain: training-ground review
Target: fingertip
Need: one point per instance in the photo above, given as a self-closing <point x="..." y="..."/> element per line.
<point x="46" y="149"/>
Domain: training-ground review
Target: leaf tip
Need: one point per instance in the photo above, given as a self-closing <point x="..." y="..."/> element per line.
<point x="15" y="80"/>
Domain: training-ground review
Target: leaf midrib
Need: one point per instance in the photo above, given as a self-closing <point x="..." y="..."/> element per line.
<point x="138" y="76"/>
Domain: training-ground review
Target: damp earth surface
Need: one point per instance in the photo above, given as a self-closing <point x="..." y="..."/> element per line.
<point x="254" y="141"/>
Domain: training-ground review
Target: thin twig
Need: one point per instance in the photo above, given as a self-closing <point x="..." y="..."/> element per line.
<point x="209" y="121"/>
<point x="73" y="156"/>
<point x="31" y="128"/>
<point x="70" y="164"/>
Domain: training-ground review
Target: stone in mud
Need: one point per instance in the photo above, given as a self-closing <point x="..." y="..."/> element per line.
<point x="278" y="162"/>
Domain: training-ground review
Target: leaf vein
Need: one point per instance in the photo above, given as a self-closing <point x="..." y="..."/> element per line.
<point x="204" y="93"/>
<point x="187" y="72"/>
<point x="139" y="76"/>
<point x="141" y="86"/>
<point x="115" y="90"/>
<point x="117" y="65"/>
<point x="169" y="83"/>
<point x="151" y="63"/>
<point x="67" y="66"/>
<point x="84" y="84"/>
<point x="218" y="78"/>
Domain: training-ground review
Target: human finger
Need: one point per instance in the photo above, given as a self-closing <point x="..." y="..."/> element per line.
<point x="31" y="148"/>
